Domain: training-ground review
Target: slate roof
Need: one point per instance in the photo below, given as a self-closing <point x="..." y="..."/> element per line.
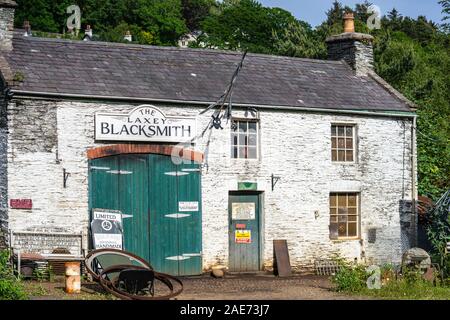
<point x="148" y="72"/>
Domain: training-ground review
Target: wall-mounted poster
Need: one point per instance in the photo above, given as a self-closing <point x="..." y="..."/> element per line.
<point x="243" y="236"/>
<point x="243" y="210"/>
<point x="107" y="230"/>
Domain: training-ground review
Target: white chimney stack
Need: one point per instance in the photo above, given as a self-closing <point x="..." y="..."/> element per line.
<point x="128" y="36"/>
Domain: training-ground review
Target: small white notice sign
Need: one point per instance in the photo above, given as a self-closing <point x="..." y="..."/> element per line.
<point x="243" y="210"/>
<point x="188" y="206"/>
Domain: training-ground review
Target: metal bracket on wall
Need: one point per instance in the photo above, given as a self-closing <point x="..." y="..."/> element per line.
<point x="65" y="177"/>
<point x="274" y="181"/>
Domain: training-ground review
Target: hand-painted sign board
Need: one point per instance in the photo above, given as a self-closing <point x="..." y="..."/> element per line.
<point x="21" y="204"/>
<point x="243" y="236"/>
<point x="107" y="230"/>
<point x="145" y="123"/>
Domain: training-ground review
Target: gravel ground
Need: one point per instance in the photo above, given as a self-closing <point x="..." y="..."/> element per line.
<point x="232" y="287"/>
<point x="260" y="287"/>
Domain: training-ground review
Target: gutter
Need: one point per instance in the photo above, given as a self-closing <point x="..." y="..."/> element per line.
<point x="25" y="94"/>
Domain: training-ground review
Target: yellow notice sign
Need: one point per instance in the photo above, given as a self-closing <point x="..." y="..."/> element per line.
<point x="243" y="236"/>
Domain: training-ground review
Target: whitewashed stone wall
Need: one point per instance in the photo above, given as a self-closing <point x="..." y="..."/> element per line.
<point x="46" y="137"/>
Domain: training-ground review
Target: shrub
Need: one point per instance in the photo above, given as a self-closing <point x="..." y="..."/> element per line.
<point x="412" y="275"/>
<point x="11" y="290"/>
<point x="10" y="287"/>
<point x="350" y="277"/>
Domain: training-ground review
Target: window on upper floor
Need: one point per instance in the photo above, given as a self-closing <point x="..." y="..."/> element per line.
<point x="344" y="216"/>
<point x="244" y="139"/>
<point x="343" y="143"/>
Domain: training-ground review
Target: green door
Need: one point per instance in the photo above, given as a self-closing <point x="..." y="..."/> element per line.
<point x="148" y="190"/>
<point x="244" y="233"/>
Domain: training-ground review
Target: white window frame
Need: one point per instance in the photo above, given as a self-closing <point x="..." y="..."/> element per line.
<point x="232" y="145"/>
<point x="354" y="137"/>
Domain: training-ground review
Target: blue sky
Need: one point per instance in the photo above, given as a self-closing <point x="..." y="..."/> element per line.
<point x="313" y="11"/>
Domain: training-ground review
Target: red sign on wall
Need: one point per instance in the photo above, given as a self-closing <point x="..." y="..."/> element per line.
<point x="21" y="203"/>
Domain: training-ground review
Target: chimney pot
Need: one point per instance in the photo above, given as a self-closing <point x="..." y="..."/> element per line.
<point x="349" y="22"/>
<point x="27" y="27"/>
<point x="88" y="31"/>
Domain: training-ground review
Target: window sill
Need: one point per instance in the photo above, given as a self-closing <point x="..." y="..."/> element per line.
<point x="345" y="240"/>
<point x="344" y="163"/>
<point x="244" y="160"/>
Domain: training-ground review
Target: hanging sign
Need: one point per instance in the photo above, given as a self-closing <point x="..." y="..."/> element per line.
<point x="106" y="227"/>
<point x="243" y="210"/>
<point x="145" y="123"/>
<point x="243" y="236"/>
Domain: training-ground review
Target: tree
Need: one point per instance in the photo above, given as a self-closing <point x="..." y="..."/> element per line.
<point x="335" y="14"/>
<point x="160" y="18"/>
<point x="298" y="40"/>
<point x="446" y="10"/>
<point x="42" y="14"/>
<point x="421" y="74"/>
<point x="244" y="25"/>
<point x="361" y="11"/>
<point x="195" y="11"/>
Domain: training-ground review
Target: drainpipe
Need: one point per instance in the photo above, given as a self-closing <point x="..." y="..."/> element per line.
<point x="414" y="218"/>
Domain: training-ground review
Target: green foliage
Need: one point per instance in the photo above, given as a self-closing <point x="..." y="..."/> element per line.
<point x="350" y="278"/>
<point x="445" y="10"/>
<point x="195" y="11"/>
<point x="10" y="287"/>
<point x="438" y="232"/>
<point x="402" y="289"/>
<point x="298" y="40"/>
<point x="152" y="21"/>
<point x="247" y="25"/>
<point x="421" y="74"/>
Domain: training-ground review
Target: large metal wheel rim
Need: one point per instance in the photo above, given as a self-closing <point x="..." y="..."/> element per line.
<point x="111" y="287"/>
<point x="93" y="255"/>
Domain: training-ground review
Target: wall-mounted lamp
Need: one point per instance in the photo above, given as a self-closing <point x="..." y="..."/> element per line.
<point x="65" y="177"/>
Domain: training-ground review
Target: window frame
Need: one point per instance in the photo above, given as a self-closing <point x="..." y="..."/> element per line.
<point x="358" y="214"/>
<point x="231" y="142"/>
<point x="354" y="145"/>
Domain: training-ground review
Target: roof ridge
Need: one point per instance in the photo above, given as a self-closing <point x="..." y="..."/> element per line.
<point x="18" y="36"/>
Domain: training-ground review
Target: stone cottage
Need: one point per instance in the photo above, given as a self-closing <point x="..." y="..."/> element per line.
<point x="321" y="153"/>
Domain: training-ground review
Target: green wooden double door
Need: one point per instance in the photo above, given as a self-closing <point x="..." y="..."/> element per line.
<point x="160" y="204"/>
